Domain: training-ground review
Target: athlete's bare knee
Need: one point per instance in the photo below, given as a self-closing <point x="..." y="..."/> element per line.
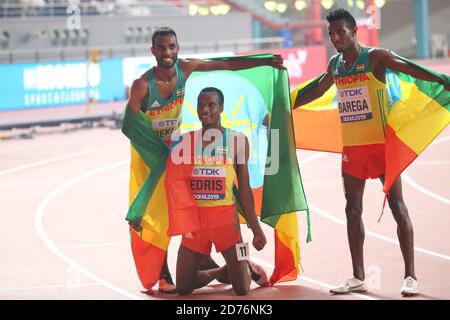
<point x="353" y="213"/>
<point x="399" y="209"/>
<point x="184" y="287"/>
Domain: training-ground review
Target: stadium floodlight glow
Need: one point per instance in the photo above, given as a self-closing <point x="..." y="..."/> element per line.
<point x="193" y="9"/>
<point x="380" y="3"/>
<point x="360" y="4"/>
<point x="219" y="9"/>
<point x="300" y="5"/>
<point x="270" y="5"/>
<point x="203" y="11"/>
<point x="327" y="4"/>
<point x="224" y="8"/>
<point x="350" y="3"/>
<point x="282" y="7"/>
<point x="215" y="10"/>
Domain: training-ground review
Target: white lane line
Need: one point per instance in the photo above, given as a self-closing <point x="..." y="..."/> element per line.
<point x="322" y="183"/>
<point x="371" y="233"/>
<point x="174" y="239"/>
<point x="59" y="158"/>
<point x="50" y="182"/>
<point x="75" y="286"/>
<point x="374" y="234"/>
<point x="316" y="282"/>
<point x="418" y="187"/>
<point x="430" y="162"/>
<point x="439" y="140"/>
<point x="91" y="245"/>
<point x="52" y="247"/>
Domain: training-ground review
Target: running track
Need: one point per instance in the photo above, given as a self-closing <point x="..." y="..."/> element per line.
<point x="63" y="199"/>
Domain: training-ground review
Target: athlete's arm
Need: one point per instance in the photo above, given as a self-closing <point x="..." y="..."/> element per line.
<point x="191" y="65"/>
<point x="245" y="193"/>
<point x="138" y="91"/>
<point x="325" y="83"/>
<point x="386" y="59"/>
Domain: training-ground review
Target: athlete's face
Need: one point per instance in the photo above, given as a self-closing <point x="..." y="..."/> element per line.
<point x="341" y="35"/>
<point x="209" y="109"/>
<point x="165" y="50"/>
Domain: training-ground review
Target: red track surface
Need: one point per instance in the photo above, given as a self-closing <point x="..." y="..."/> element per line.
<point x="63" y="199"/>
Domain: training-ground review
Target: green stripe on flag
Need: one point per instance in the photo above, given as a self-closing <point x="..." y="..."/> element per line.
<point x="434" y="90"/>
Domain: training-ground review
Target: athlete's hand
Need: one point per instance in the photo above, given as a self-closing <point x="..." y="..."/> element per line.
<point x="447" y="87"/>
<point x="259" y="240"/>
<point x="277" y="61"/>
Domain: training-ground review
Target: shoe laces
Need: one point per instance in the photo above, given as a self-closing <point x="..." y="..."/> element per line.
<point x="347" y="283"/>
<point x="409" y="282"/>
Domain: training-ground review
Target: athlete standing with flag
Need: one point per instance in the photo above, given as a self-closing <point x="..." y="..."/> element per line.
<point x="159" y="94"/>
<point x="359" y="74"/>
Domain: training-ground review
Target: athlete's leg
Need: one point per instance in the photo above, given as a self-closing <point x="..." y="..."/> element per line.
<point x="405" y="230"/>
<point x="354" y="190"/>
<point x="165" y="273"/>
<point x="188" y="275"/>
<point x="238" y="271"/>
<point x="208" y="263"/>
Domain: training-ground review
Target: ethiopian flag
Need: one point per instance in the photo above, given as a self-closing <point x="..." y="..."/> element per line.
<point x="256" y="104"/>
<point x="418" y="112"/>
<point x="147" y="213"/>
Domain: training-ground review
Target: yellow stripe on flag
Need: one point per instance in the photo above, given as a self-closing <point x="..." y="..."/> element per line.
<point x="155" y="220"/>
<point x="416" y="117"/>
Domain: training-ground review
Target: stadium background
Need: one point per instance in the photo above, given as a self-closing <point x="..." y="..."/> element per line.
<point x="67" y="66"/>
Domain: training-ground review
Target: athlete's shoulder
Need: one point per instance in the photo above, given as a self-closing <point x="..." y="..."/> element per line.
<point x="186" y="61"/>
<point x="188" y="66"/>
<point x="379" y="55"/>
<point x="377" y="52"/>
<point x="142" y="81"/>
<point x="140" y="85"/>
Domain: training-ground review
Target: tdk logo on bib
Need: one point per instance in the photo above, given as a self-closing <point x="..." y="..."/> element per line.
<point x="166" y="123"/>
<point x="354" y="104"/>
<point x="164" y="128"/>
<point x="208" y="183"/>
<point x="207" y="172"/>
<point x="350" y="93"/>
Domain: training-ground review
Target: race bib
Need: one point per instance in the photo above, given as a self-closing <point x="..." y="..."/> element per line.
<point x="165" y="127"/>
<point x="354" y="104"/>
<point x="208" y="183"/>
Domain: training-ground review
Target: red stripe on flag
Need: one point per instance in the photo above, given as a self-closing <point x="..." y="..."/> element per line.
<point x="398" y="157"/>
<point x="148" y="260"/>
<point x="285" y="268"/>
